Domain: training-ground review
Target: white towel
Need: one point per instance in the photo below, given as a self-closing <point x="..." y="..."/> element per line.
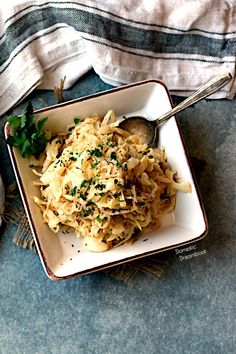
<point x="182" y="42"/>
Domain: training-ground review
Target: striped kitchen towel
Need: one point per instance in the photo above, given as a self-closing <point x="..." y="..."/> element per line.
<point x="182" y="42"/>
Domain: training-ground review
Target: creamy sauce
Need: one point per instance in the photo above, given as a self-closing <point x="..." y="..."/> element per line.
<point x="140" y="128"/>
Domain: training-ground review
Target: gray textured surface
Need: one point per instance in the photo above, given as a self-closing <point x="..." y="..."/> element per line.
<point x="191" y="309"/>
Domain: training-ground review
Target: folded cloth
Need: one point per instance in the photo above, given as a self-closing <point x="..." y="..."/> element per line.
<point x="182" y="42"/>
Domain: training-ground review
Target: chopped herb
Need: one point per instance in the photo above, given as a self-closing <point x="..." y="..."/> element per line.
<point x="72" y="158"/>
<point x="113" y="155"/>
<point x="94" y="165"/>
<point x="28" y="136"/>
<point x="126" y="167"/>
<point x="98" y="218"/>
<point x="86" y="212"/>
<point x="100" y="186"/>
<point x="76" y="120"/>
<point x="116" y="181"/>
<point x="95" y="152"/>
<point x="90" y="203"/>
<point x="101" y="146"/>
<point x="118" y="164"/>
<point x="73" y="190"/>
<point x="83" y="196"/>
<point x="86" y="182"/>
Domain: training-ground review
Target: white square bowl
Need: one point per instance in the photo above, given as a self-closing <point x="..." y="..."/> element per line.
<point x="62" y="255"/>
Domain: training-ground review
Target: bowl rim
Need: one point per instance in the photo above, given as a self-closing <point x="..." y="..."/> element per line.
<point x="46" y="267"/>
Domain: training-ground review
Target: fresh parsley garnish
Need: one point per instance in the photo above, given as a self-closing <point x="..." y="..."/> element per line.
<point x="83" y="196"/>
<point x="98" y="218"/>
<point x="118" y="164"/>
<point x="76" y="120"/>
<point x="89" y="203"/>
<point x="28" y="136"/>
<point x="73" y="158"/>
<point x="86" y="212"/>
<point x="113" y="155"/>
<point x="94" y="165"/>
<point x="73" y="190"/>
<point x="100" y="186"/>
<point x="86" y="182"/>
<point x="95" y="152"/>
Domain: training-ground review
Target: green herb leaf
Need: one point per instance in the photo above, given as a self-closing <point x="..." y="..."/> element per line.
<point x="113" y="155"/>
<point x="72" y="158"/>
<point x="83" y="196"/>
<point x="95" y="152"/>
<point x="27" y="136"/>
<point x="89" y="203"/>
<point x="23" y="120"/>
<point x="100" y="186"/>
<point x="98" y="218"/>
<point x="86" y="212"/>
<point x="29" y="112"/>
<point x="73" y="190"/>
<point x="14" y="121"/>
<point x="86" y="182"/>
<point x="94" y="165"/>
<point x="118" y="164"/>
<point x="41" y="123"/>
<point x="76" y="120"/>
<point x="25" y="149"/>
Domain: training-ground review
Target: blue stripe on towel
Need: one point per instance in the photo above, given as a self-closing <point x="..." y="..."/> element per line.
<point x="115" y="32"/>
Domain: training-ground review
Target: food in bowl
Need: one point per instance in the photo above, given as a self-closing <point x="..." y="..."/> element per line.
<point x="103" y="183"/>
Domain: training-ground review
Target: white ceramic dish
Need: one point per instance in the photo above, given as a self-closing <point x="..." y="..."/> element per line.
<point x="62" y="255"/>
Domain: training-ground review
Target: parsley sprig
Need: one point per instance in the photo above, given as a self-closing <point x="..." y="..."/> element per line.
<point x="28" y="135"/>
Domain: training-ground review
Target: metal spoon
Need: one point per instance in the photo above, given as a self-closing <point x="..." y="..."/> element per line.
<point x="148" y="129"/>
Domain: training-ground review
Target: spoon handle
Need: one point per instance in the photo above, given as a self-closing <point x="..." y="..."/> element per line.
<point x="204" y="91"/>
